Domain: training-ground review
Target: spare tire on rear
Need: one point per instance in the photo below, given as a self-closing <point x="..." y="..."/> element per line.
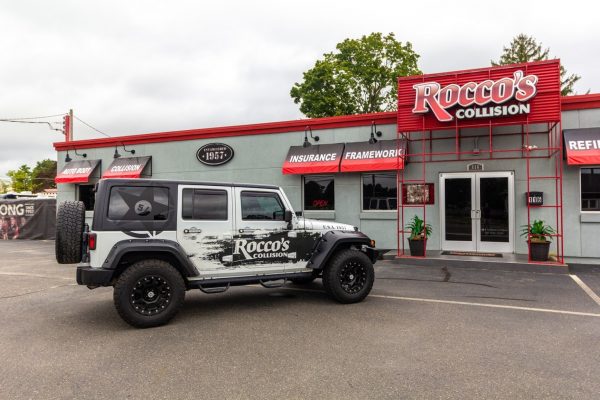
<point x="70" y="220"/>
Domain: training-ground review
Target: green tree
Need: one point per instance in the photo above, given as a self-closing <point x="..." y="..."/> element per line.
<point x="359" y="77"/>
<point x="4" y="186"/>
<point x="20" y="178"/>
<point x="525" y="48"/>
<point x="42" y="175"/>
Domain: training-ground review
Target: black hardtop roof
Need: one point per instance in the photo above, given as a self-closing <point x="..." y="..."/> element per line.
<point x="184" y="182"/>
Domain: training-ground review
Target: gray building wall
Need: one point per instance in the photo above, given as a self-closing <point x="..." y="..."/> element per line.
<point x="259" y="158"/>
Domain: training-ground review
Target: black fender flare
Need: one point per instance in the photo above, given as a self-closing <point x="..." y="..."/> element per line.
<point x="331" y="241"/>
<point x="170" y="247"/>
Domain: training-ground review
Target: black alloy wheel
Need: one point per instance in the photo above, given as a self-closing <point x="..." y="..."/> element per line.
<point x="349" y="276"/>
<point x="150" y="295"/>
<point x="353" y="276"/>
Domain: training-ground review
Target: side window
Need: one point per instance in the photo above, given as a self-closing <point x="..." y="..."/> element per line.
<point x="319" y="192"/>
<point x="204" y="205"/>
<point x="138" y="203"/>
<point x="261" y="206"/>
<point x="590" y="189"/>
<point x="379" y="191"/>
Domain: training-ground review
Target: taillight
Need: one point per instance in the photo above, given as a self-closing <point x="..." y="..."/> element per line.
<point x="91" y="241"/>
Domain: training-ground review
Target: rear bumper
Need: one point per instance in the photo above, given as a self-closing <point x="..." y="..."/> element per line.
<point x="89" y="276"/>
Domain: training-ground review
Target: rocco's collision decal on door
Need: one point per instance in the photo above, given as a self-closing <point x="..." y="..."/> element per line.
<point x="257" y="249"/>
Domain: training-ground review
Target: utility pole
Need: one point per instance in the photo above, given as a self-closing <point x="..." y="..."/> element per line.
<point x="70" y="137"/>
<point x="67" y="128"/>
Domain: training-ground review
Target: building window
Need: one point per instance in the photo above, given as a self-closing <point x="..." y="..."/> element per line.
<point x="87" y="194"/>
<point x="319" y="192"/>
<point x="380" y="192"/>
<point x="138" y="203"/>
<point x="590" y="189"/>
<point x="262" y="206"/>
<point x="204" y="205"/>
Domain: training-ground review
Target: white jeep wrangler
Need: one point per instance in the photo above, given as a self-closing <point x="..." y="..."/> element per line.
<point x="153" y="240"/>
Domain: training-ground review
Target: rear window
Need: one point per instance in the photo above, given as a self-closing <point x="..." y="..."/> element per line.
<point x="138" y="203"/>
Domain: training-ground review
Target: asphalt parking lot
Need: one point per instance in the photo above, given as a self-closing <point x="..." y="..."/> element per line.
<point x="424" y="333"/>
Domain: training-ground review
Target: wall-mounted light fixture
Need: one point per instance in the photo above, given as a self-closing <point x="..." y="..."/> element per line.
<point x="117" y="155"/>
<point x="84" y="155"/>
<point x="69" y="159"/>
<point x="306" y="142"/>
<point x="374" y="132"/>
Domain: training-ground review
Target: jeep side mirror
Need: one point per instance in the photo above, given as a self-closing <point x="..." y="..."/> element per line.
<point x="287" y="216"/>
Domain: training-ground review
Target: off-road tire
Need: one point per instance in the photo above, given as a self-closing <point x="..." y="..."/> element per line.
<point x="70" y="220"/>
<point x="127" y="288"/>
<point x="336" y="278"/>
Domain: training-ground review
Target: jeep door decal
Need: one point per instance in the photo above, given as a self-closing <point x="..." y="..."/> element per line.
<point x="283" y="247"/>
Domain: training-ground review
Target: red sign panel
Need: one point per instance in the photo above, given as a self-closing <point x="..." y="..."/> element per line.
<point x="385" y="155"/>
<point x="126" y="167"/>
<point x="582" y="146"/>
<point x="514" y="94"/>
<point x="77" y="171"/>
<point x="315" y="159"/>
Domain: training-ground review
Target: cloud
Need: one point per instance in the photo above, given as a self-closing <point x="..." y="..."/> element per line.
<point x="147" y="66"/>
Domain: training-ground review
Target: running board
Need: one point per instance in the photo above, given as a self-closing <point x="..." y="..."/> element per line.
<point x="270" y="285"/>
<point x="243" y="280"/>
<point x="212" y="290"/>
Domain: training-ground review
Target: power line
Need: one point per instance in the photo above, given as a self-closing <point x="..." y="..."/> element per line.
<point x="33" y="122"/>
<point x="90" y="126"/>
<point x="25" y="118"/>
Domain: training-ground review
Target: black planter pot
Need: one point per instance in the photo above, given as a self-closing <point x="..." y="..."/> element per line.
<point x="539" y="251"/>
<point x="417" y="247"/>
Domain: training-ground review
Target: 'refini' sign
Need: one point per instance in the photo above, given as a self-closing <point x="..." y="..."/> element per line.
<point x="484" y="99"/>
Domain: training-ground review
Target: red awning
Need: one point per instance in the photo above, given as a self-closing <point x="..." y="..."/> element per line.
<point x="315" y="159"/>
<point x="582" y="146"/>
<point x="385" y="155"/>
<point x="77" y="171"/>
<point x="127" y="167"/>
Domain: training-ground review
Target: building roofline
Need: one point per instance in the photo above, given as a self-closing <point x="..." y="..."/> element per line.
<point x="481" y="69"/>
<point x="568" y="103"/>
<point x="300" y="125"/>
<point x="580" y="102"/>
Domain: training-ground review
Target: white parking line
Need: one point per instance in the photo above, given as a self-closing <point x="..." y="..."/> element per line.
<point x="466" y="303"/>
<point x="586" y="288"/>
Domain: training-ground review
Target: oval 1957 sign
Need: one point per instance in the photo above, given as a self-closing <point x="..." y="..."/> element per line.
<point x="214" y="154"/>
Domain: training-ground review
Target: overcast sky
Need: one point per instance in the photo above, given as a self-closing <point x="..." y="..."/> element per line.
<point x="132" y="67"/>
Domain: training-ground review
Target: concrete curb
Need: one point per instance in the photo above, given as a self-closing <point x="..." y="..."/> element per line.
<point x="482" y="264"/>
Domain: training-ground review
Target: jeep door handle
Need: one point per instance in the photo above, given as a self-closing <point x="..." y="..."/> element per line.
<point x="247" y="230"/>
<point x="192" y="230"/>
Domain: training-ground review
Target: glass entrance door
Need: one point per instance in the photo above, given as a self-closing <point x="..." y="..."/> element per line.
<point x="477" y="211"/>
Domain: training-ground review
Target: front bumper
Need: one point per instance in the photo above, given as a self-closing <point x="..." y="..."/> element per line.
<point x="89" y="276"/>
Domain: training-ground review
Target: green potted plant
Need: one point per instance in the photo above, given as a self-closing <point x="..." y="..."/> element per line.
<point x="538" y="237"/>
<point x="419" y="232"/>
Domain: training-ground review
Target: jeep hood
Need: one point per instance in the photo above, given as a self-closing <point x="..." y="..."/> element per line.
<point x="320" y="225"/>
